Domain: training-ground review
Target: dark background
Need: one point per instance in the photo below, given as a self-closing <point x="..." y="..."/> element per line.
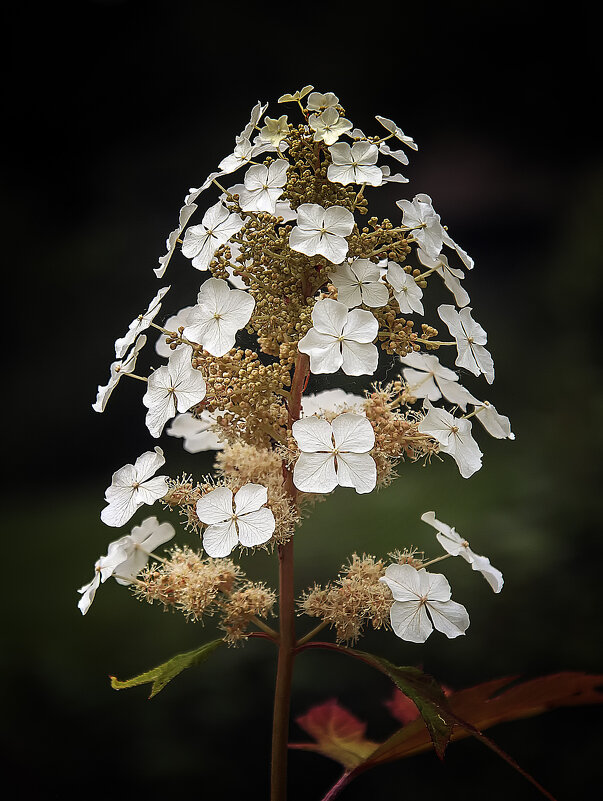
<point x="112" y="110"/>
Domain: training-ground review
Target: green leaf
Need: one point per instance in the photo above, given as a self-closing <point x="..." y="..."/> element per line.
<point x="426" y="693"/>
<point x="162" y="674"/>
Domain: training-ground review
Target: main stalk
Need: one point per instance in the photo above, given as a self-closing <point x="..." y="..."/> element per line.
<point x="287" y="639"/>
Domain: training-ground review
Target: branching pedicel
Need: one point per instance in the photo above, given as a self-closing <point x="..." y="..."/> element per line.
<point x="292" y="256"/>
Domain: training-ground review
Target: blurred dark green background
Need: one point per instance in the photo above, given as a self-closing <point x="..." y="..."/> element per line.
<point x="113" y="110"/>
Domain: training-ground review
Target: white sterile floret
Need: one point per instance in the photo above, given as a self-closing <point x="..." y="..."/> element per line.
<point x="296" y="96"/>
<point x="199" y="433"/>
<point x="132" y="486"/>
<point x="450" y="276"/>
<point x="139" y="324"/>
<point x="127" y="556"/>
<point x="242" y="154"/>
<point x="454" y="437"/>
<point x="358" y="282"/>
<point x="332" y="400"/>
<point x="406" y="290"/>
<point x="250" y="523"/>
<point x="455" y="545"/>
<point x="201" y="241"/>
<point x="427" y="230"/>
<point x="263" y="186"/>
<point x="355" y="164"/>
<point x="175" y="387"/>
<point x="341" y="338"/>
<point x="256" y="114"/>
<point x="391" y="126"/>
<point x="427" y="378"/>
<point x="118" y="368"/>
<point x="419" y="596"/>
<point x="220" y="312"/>
<point x="334" y="454"/>
<point x="173" y="323"/>
<point x="275" y="130"/>
<point x="328" y="126"/>
<point x="322" y="231"/>
<point x="319" y="102"/>
<point x="470" y="340"/>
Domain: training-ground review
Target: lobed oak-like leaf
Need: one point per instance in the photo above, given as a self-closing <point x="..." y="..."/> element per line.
<point x="161" y="675"/>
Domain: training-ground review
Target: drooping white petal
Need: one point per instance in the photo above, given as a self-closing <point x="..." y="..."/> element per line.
<point x="139" y="324"/>
<point x="497" y="425"/>
<point x="88" y="591"/>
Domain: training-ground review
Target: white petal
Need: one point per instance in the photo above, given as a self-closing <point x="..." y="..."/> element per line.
<point x="220" y="538"/>
<point x="358" y="359"/>
<point x="449" y="617"/>
<point x="360" y="326"/>
<point x="313" y="434"/>
<point x="315" y="472"/>
<point x="357" y="470"/>
<point x="329" y="317"/>
<point x="403" y="581"/>
<point x="409" y="621"/>
<point x="353" y="433"/>
<point x="215" y="506"/>
<point x="250" y="498"/>
<point x="493" y="576"/>
<point x="256" y="528"/>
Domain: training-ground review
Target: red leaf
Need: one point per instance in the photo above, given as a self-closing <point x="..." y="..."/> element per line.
<point x="338" y="734"/>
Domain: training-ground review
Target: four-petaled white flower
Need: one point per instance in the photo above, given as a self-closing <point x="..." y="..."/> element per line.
<point x="198" y="433"/>
<point x="201" y="241"/>
<point x="220" y="312"/>
<point x="455" y="545"/>
<point x="406" y="290"/>
<point x="274" y="131"/>
<point x="341" y="338"/>
<point x="450" y="276"/>
<point x="250" y="523"/>
<point x="427" y="230"/>
<point x="391" y="126"/>
<point x="173" y="323"/>
<point x="125" y="558"/>
<point x="263" y="186"/>
<point x="355" y="164"/>
<point x="140" y="324"/>
<point x="454" y="437"/>
<point x="334" y="454"/>
<point x="417" y="593"/>
<point x="328" y="126"/>
<point x="358" y="282"/>
<point x="322" y="231"/>
<point x="427" y="378"/>
<point x="132" y="486"/>
<point x="118" y="368"/>
<point x="128" y="555"/>
<point x="470" y="340"/>
<point x="241" y="154"/>
<point x="319" y="102"/>
<point x="175" y="387"/>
